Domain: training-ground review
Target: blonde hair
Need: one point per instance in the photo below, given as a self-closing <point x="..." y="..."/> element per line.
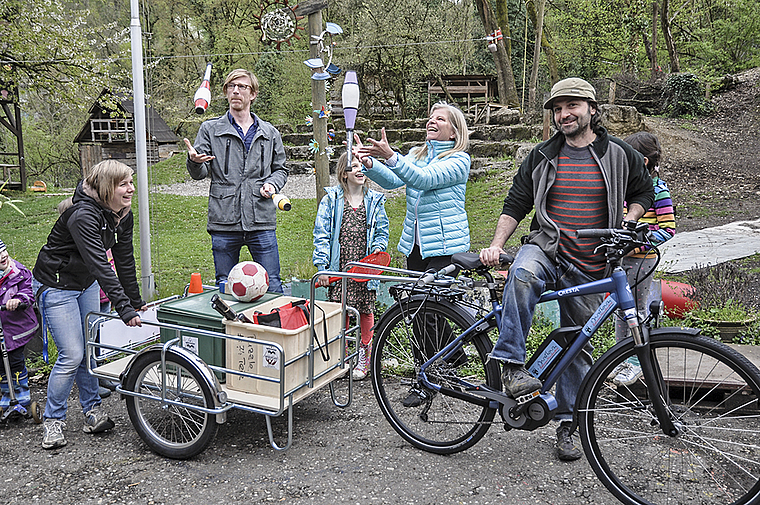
<point x="105" y="177"/>
<point x="458" y="122"/>
<point x="241" y="72"/>
<point x="340" y="172"/>
<point x="65" y="204"/>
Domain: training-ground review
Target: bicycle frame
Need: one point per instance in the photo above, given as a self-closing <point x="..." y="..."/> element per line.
<point x="620" y="297"/>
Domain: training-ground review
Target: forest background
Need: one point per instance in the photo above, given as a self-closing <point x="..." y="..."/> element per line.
<point x="59" y="56"/>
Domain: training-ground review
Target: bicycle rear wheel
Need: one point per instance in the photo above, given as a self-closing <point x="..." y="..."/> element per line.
<point x="405" y="338"/>
<point x="712" y="395"/>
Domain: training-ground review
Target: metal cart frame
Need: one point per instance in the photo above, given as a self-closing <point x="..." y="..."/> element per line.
<point x="164" y="381"/>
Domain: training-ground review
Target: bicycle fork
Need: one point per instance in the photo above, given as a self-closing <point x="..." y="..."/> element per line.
<point x="653" y="375"/>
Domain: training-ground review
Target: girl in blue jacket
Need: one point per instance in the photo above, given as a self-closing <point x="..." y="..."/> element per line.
<point x="435" y="176"/>
<point x="351" y="223"/>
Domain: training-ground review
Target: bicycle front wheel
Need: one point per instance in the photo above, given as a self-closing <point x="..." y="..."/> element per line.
<point x="407" y="336"/>
<point x="711" y="393"/>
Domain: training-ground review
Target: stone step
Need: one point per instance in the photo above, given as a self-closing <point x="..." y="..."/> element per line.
<point x="517" y="133"/>
<point x="499" y="133"/>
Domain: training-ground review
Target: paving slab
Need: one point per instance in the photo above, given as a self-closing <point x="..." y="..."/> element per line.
<point x="711" y="246"/>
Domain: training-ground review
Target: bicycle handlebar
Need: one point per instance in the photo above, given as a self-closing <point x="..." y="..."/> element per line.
<point x="21" y="306"/>
<point x="596" y="233"/>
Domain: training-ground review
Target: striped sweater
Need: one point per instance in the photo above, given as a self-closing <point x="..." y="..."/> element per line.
<point x="660" y="217"/>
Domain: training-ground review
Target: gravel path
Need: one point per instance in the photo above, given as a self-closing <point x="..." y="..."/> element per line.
<point x="298" y="187"/>
<point x="349" y="456"/>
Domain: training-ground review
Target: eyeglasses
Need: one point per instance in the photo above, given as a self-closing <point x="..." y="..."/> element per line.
<point x="241" y="87"/>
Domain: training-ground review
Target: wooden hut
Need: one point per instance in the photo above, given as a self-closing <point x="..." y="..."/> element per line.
<point x="110" y="134"/>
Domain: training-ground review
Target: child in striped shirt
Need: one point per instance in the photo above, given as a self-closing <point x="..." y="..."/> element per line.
<point x="661" y="220"/>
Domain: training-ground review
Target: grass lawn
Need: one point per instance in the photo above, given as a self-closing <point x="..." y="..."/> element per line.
<point x="180" y="244"/>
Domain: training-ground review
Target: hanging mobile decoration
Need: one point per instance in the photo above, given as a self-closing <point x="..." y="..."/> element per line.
<point x="309" y="120"/>
<point x="325" y="45"/>
<point x="278" y="22"/>
<point x="331" y="134"/>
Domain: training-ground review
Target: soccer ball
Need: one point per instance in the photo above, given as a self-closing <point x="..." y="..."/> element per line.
<point x="248" y="281"/>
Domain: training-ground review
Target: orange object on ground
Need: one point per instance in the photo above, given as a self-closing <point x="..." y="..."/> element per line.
<point x="196" y="286"/>
<point x="38" y="186"/>
<point x="677" y="297"/>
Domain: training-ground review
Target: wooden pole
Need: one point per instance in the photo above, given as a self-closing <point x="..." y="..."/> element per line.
<point x="318" y="100"/>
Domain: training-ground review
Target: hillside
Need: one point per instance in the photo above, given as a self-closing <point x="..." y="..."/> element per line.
<point x="711" y="163"/>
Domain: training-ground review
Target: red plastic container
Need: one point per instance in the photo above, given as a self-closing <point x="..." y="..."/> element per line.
<point x="676" y="296"/>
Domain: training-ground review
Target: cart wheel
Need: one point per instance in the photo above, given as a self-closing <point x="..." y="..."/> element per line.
<point x="36" y="411"/>
<point x="173" y="431"/>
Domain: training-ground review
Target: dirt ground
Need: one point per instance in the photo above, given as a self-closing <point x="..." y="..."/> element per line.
<point x="352" y="455"/>
<point x="710" y="163"/>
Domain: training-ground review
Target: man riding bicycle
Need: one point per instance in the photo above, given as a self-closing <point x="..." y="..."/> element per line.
<point x="579" y="178"/>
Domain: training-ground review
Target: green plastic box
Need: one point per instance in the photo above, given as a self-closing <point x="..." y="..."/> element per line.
<point x="195" y="311"/>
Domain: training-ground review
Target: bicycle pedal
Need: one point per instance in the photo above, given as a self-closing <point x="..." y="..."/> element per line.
<point x="522" y="400"/>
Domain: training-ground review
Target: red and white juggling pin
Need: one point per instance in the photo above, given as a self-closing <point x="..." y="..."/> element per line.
<point x="203" y="96"/>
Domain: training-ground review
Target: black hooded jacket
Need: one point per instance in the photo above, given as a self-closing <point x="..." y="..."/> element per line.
<point x="75" y="253"/>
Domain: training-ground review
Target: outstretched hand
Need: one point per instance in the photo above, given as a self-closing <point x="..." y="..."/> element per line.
<point x="377" y="148"/>
<point x="356" y="152"/>
<point x="194" y="156"/>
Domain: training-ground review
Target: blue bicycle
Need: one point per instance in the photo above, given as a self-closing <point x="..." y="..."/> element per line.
<point x="685" y="432"/>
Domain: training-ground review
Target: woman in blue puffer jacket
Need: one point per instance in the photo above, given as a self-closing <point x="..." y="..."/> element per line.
<point x="435" y="226"/>
<point x="435" y="175"/>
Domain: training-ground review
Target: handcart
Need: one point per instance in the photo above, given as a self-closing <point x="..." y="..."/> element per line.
<point x="176" y="399"/>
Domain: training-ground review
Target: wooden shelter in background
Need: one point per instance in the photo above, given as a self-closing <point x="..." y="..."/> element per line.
<point x="12" y="167"/>
<point x="110" y="134"/>
<point x="469" y="91"/>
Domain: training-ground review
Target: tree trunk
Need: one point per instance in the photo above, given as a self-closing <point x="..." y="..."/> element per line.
<point x="551" y="58"/>
<point x="655" y="66"/>
<point x="502" y="20"/>
<point x="536" y="57"/>
<point x="675" y="65"/>
<point x="504" y="76"/>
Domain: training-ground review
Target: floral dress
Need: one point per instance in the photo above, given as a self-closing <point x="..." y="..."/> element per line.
<point x="353" y="247"/>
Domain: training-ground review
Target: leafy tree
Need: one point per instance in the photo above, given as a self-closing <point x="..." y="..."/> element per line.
<point x="57" y="59"/>
<point x="46" y="45"/>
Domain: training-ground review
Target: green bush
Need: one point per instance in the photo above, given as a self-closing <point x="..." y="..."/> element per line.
<point x="683" y="95"/>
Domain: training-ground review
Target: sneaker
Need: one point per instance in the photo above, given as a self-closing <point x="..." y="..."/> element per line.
<point x="362" y="367"/>
<point x="615" y="371"/>
<point x="108" y="384"/>
<point x="629" y="375"/>
<point x="517" y="381"/>
<point x="417" y="396"/>
<point x="567" y="448"/>
<point x="97" y="421"/>
<point x="52" y="434"/>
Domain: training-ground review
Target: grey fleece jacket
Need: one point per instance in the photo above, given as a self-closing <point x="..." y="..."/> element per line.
<point x="234" y="200"/>
<point x="623" y="170"/>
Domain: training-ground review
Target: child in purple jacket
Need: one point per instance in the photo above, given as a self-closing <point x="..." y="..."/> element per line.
<point x="19" y="324"/>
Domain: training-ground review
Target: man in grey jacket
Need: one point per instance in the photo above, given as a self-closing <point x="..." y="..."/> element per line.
<point x="577" y="179"/>
<point x="245" y="158"/>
